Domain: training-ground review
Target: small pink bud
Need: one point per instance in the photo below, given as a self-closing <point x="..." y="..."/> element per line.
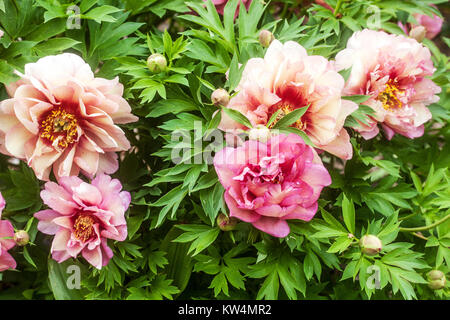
<point x="21" y="238"/>
<point x="265" y="38"/>
<point x="226" y="223"/>
<point x="418" y="33"/>
<point x="220" y="97"/>
<point x="260" y="133"/>
<point x="370" y="244"/>
<point x="436" y="279"/>
<point x="157" y="63"/>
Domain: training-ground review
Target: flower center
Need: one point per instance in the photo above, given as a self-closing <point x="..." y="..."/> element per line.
<point x="284" y="109"/>
<point x="83" y="227"/>
<point x="389" y="97"/>
<point x="61" y="126"/>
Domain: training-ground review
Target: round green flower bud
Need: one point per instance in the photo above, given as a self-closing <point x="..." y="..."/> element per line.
<point x="226" y="223"/>
<point x="370" y="244"/>
<point x="265" y="38"/>
<point x="157" y="63"/>
<point x="220" y="97"/>
<point x="21" y="238"/>
<point x="436" y="279"/>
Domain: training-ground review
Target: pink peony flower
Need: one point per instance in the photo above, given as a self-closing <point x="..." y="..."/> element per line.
<point x="1" y="33"/>
<point x="6" y="241"/>
<point x="220" y="5"/>
<point x="393" y="70"/>
<point x="83" y="216"/>
<point x="61" y="117"/>
<point x="433" y="24"/>
<point x="269" y="183"/>
<point x="288" y="79"/>
<point x="2" y="204"/>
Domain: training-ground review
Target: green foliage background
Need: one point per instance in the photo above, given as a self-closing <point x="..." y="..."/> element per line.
<point x="175" y="249"/>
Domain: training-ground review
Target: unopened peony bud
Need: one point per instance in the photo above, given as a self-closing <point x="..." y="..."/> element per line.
<point x="436" y="279"/>
<point x="370" y="244"/>
<point x="220" y="97"/>
<point x="156" y="63"/>
<point x="21" y="238"/>
<point x="260" y="133"/>
<point x="265" y="38"/>
<point x="226" y="223"/>
<point x="418" y="33"/>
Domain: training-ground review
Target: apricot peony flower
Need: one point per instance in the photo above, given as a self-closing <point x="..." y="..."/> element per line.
<point x="288" y="79"/>
<point x="6" y="243"/>
<point x="61" y="117"/>
<point x="393" y="70"/>
<point x="83" y="216"/>
<point x="269" y="183"/>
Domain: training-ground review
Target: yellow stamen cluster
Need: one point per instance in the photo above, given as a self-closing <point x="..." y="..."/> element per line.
<point x="83" y="227"/>
<point x="59" y="123"/>
<point x="284" y="110"/>
<point x="389" y="97"/>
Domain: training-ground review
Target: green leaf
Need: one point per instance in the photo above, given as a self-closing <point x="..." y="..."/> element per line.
<point x="357" y="98"/>
<point x="177" y="255"/>
<point x="291" y="118"/>
<point x="238" y="117"/>
<point x="348" y="211"/>
<point x="58" y="277"/>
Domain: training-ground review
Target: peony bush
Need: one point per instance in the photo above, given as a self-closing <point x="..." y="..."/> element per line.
<point x="213" y="149"/>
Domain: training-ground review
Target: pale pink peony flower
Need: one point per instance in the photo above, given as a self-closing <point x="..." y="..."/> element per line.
<point x="393" y="70"/>
<point x="6" y="243"/>
<point x="60" y="116"/>
<point x="83" y="216"/>
<point x="269" y="183"/>
<point x="288" y="79"/>
<point x="220" y="5"/>
<point x="1" y="33"/>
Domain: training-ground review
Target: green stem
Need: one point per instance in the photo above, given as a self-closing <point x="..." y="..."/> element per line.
<point x="408" y="216"/>
<point x="431" y="226"/>
<point x="338" y="7"/>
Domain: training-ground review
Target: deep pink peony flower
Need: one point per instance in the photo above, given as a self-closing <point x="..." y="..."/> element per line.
<point x="61" y="117"/>
<point x="269" y="183"/>
<point x="6" y="241"/>
<point x="83" y="216"/>
<point x="288" y="79"/>
<point x="220" y="5"/>
<point x="393" y="70"/>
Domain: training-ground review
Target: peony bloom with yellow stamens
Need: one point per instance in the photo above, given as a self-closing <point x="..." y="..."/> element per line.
<point x="394" y="71"/>
<point x="83" y="216"/>
<point x="286" y="79"/>
<point x="60" y="116"/>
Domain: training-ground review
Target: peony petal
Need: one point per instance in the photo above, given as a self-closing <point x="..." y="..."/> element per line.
<point x="45" y="224"/>
<point x="273" y="226"/>
<point x="242" y="214"/>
